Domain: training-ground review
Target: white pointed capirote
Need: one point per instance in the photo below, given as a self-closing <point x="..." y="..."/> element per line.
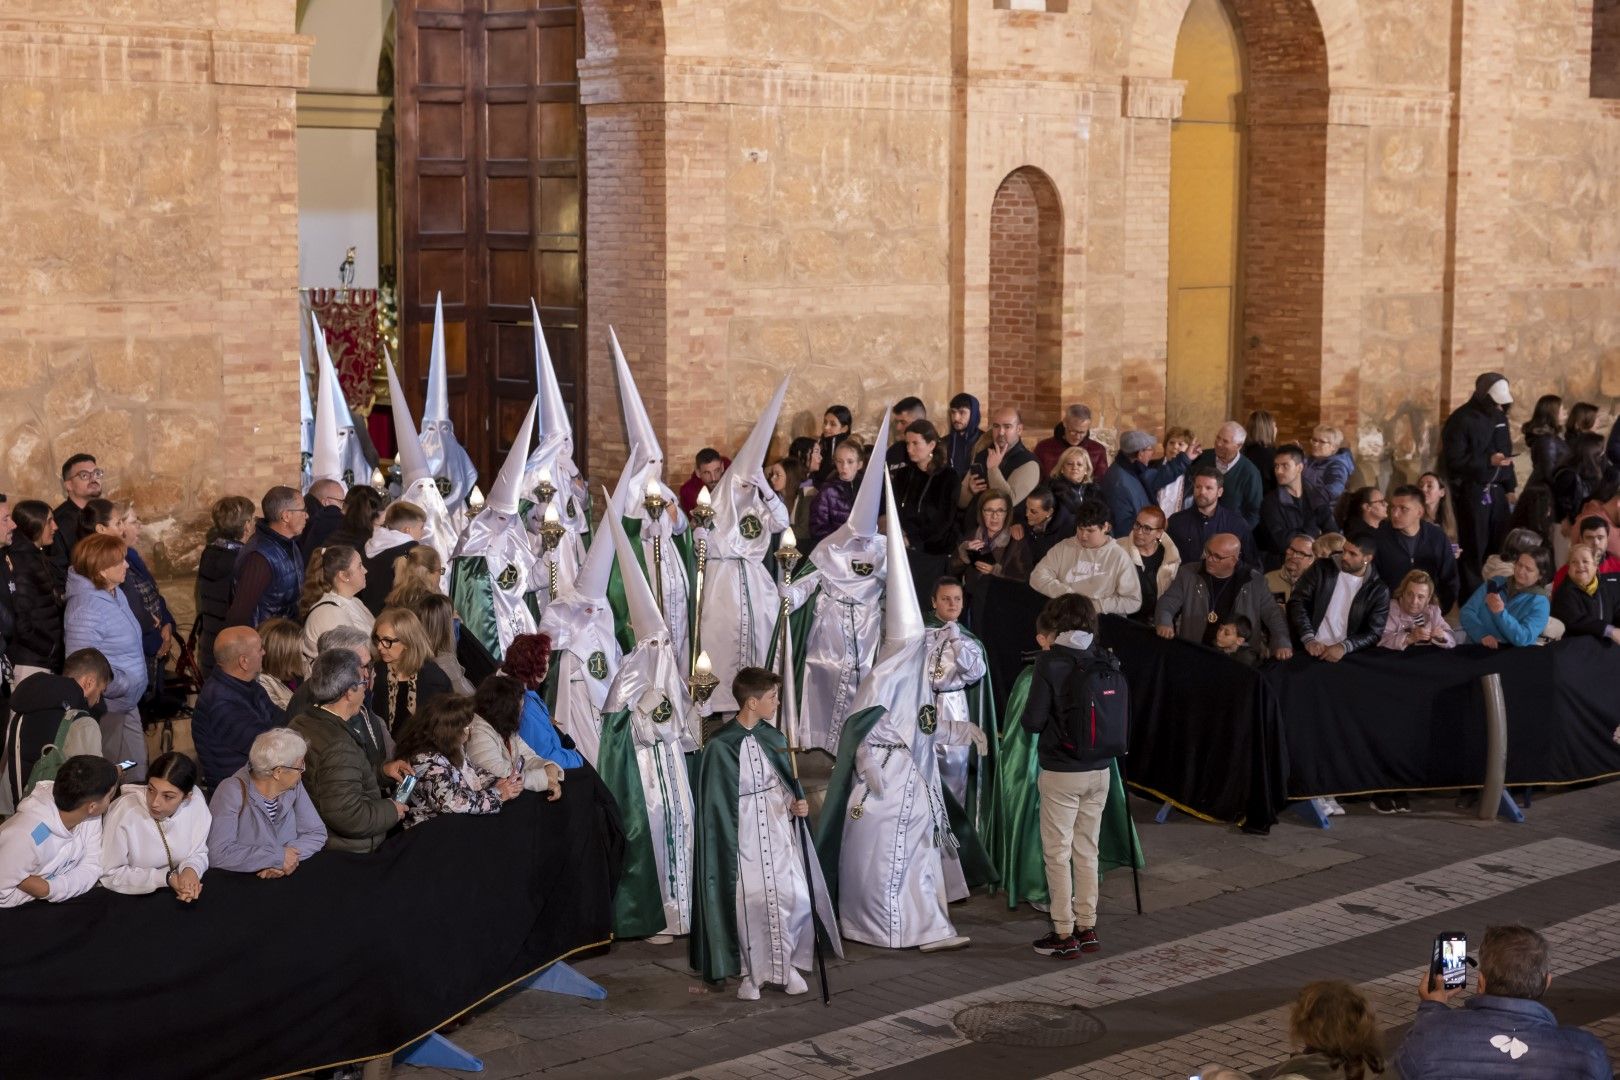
<point x="645" y="618"/>
<point x="902" y="617"/>
<point x="637" y="425"/>
<point x="326" y="459"/>
<point x="413" y="464"/>
<point x="863" y="516"/>
<point x="306" y="421"/>
<point x="747" y="466"/>
<point x="554" y="424"/>
<point x="437" y="404"/>
<point x="591" y="582"/>
<point x="505" y="492"/>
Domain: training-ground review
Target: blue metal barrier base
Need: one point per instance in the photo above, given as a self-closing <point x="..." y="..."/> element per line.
<point x="438" y="1052"/>
<point x="559" y="978"/>
<point x="1510" y="809"/>
<point x="1313" y="813"/>
<point x="1164" y="813"/>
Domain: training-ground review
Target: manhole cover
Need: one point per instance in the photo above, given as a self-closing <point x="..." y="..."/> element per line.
<point x="1028" y="1023"/>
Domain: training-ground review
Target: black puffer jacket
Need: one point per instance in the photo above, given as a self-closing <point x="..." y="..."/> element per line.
<point x="36" y="637"/>
<point x="216" y="573"/>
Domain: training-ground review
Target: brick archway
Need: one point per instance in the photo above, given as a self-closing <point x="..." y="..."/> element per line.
<point x="1026" y="295"/>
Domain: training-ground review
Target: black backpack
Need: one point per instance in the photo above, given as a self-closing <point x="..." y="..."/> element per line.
<point x="1096" y="708"/>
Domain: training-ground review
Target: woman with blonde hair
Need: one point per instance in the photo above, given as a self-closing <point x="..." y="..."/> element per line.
<point x="404" y="676"/>
<point x="1414" y="617"/>
<point x="1072" y="481"/>
<point x="438" y="616"/>
<point x="1328" y="465"/>
<point x="284" y="667"/>
<point x="1261" y="446"/>
<point x="418" y="572"/>
<point x="1337" y="1032"/>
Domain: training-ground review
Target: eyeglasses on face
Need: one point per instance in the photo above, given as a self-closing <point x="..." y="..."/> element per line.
<point x="1142" y="526"/>
<point x="1302" y="553"/>
<point x="386" y="642"/>
<point x="88" y="474"/>
<point x="299" y="769"/>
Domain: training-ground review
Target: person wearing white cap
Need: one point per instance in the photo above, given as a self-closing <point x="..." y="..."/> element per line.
<point x="338" y="452"/>
<point x="739" y="594"/>
<point x="838" y="614"/>
<point x="887" y="848"/>
<point x="447" y="461"/>
<point x="665" y="559"/>
<point x="584" y="647"/>
<point x="1477" y="452"/>
<point x="494" y="570"/>
<point x="649" y="725"/>
<point x="552" y="464"/>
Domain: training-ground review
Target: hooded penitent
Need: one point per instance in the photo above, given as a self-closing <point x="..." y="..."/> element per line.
<point x="329" y="459"/>
<point x="740" y="603"/>
<point x="416" y="482"/>
<point x="494" y="570"/>
<point x="553" y="462"/>
<point x="885" y="827"/>
<point x="838" y="616"/>
<point x="648" y="726"/>
<point x="663" y="543"/>
<point x="306" y="431"/>
<point x="584" y="649"/>
<point x="452" y="468"/>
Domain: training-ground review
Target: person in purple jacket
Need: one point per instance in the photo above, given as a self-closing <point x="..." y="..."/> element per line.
<point x="837" y="496"/>
<point x="264" y="822"/>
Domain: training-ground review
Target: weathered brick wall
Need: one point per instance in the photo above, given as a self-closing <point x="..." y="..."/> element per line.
<point x="1025" y="298"/>
<point x="149" y="253"/>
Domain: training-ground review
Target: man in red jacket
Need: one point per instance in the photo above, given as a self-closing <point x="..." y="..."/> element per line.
<point x="1075" y="430"/>
<point x="710" y="468"/>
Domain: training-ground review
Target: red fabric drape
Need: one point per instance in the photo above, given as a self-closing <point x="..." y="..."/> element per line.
<point x="351" y="337"/>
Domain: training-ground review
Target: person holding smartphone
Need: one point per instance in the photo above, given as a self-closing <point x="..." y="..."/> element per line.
<point x="446" y="782"/>
<point x="1414" y="617"/>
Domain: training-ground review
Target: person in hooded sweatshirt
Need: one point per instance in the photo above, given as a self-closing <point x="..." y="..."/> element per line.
<point x="52" y="710"/>
<point x="51" y="848"/>
<point x="155" y="836"/>
<point x="99" y="617"/>
<point x="403" y="527"/>
<point x="962" y="441"/>
<point x="1477" y="450"/>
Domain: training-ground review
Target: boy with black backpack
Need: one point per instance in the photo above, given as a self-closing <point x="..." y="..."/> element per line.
<point x="1079" y="710"/>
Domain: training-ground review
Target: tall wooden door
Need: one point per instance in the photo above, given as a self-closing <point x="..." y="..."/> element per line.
<point x="491" y="173"/>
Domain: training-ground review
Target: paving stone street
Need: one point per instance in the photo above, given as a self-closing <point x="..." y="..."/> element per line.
<point x="1233" y="926"/>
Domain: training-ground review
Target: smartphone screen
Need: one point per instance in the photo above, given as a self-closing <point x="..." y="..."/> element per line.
<point x="1450" y="960"/>
<point x="402" y="794"/>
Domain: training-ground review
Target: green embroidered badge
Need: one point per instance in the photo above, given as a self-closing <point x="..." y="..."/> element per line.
<point x="443" y="484"/>
<point x="750" y="527"/>
<point x="508" y="579"/>
<point x="927" y="719"/>
<point x="663" y="712"/>
<point x="597" y="665"/>
<point x="862" y="569"/>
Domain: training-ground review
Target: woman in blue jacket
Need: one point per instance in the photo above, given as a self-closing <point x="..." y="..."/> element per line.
<point x="98" y="617"/>
<point x="1511" y="610"/>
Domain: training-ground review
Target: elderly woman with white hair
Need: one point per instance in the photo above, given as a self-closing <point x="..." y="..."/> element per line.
<point x="264" y="822"/>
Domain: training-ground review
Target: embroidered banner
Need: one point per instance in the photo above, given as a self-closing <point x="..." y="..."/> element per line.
<point x="349" y="318"/>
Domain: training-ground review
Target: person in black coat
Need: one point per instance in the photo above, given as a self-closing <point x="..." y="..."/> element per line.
<point x="402" y="529"/>
<point x="1587" y="604"/>
<point x="324" y="501"/>
<point x="1544" y="438"/>
<point x="1315" y="620"/>
<point x="925" y="490"/>
<point x="37" y="597"/>
<point x="216" y="572"/>
<point x="1405" y="542"/>
<point x="1290" y="508"/>
<point x="1477" y="449"/>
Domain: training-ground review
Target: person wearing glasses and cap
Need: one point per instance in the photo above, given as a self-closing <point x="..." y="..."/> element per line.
<point x="1477" y="451"/>
<point x="81" y="481"/>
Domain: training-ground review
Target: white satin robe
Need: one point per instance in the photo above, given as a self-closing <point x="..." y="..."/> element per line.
<point x="846" y="626"/>
<point x="954" y="663"/>
<point x="579" y="629"/>
<point x="740" y="602"/>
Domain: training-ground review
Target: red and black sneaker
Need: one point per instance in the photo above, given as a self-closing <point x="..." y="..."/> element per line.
<point x="1086" y="940"/>
<point x="1058" y="947"/>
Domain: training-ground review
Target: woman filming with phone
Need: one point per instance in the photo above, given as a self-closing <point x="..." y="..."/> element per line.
<point x="1414" y="618"/>
<point x="446" y="782"/>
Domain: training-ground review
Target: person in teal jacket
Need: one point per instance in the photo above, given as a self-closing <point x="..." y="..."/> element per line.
<point x="1511" y="610"/>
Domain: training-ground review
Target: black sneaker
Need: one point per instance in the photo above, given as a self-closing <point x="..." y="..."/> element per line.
<point x="1088" y="940"/>
<point x="1385" y="804"/>
<point x="1058" y="947"/>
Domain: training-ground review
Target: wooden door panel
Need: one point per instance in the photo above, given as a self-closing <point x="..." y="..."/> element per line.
<point x="491" y="186"/>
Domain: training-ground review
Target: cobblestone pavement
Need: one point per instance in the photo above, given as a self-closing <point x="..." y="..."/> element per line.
<point x="1234" y="924"/>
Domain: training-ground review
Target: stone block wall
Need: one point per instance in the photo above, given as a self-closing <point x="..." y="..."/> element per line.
<point x="148" y="253"/>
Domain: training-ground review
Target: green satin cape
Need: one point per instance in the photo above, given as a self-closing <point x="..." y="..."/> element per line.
<point x="712" y="948"/>
<point x="638" y="906"/>
<point x="1015" y="832"/>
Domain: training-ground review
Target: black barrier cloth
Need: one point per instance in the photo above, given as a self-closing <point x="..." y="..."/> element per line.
<point x="1204" y="729"/>
<point x="1407" y="721"/>
<point x="351" y="957"/>
<point x="1002" y="614"/>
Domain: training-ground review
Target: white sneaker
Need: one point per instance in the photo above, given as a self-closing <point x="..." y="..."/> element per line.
<point x="1044" y="909"/>
<point x="747" y="991"/>
<point x="944" y="944"/>
<point x="660" y="939"/>
<point x="1334" y="808"/>
<point x="795" y="983"/>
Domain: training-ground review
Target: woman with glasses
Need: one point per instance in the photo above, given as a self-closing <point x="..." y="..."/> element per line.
<point x="1156" y="559"/>
<point x="1328" y="465"/>
<point x="156" y="834"/>
<point x="404" y="675"/>
<point x="264" y="822"/>
<point x="1368" y="505"/>
<point x="984" y="550"/>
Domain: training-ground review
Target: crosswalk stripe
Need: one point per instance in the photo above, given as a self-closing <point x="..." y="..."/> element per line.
<point x="1262" y="1038"/>
<point x="888" y="1041"/>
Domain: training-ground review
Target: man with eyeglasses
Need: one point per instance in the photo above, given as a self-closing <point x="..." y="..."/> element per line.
<point x="1215" y="590"/>
<point x="270" y="569"/>
<point x="1154" y="556"/>
<point x="1297" y="558"/>
<point x="324" y="501"/>
<point x="81" y="482"/>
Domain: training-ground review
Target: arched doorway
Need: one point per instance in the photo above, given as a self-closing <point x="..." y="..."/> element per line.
<point x="1026" y="297"/>
<point x="1206" y="197"/>
<point x="1257" y="91"/>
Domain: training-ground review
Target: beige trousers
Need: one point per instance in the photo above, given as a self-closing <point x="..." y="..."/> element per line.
<point x="1071" y="817"/>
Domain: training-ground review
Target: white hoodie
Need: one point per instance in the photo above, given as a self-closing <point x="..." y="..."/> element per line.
<point x="133" y="859"/>
<point x="36" y="842"/>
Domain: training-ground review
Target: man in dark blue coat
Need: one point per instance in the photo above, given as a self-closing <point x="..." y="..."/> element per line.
<point x="232" y="707"/>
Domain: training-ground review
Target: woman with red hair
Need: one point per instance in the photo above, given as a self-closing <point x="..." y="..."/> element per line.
<point x="528" y="658"/>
